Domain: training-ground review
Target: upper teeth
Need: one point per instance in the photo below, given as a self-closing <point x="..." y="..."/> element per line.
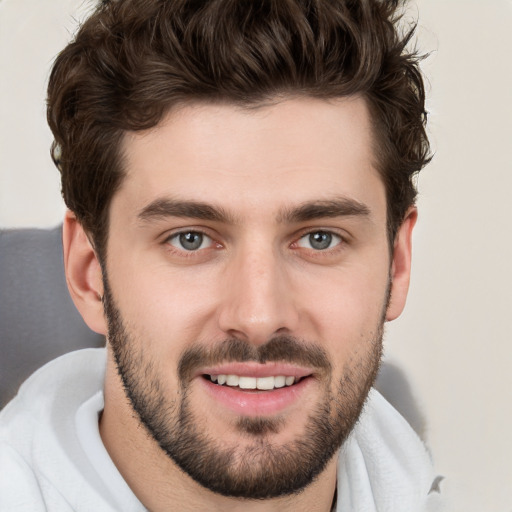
<point x="264" y="383"/>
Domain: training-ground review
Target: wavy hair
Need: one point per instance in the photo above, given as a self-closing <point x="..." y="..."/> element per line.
<point x="132" y="60"/>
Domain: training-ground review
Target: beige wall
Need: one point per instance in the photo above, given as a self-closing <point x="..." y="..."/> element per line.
<point x="454" y="339"/>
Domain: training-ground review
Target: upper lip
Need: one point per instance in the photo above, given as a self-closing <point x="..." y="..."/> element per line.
<point x="254" y="369"/>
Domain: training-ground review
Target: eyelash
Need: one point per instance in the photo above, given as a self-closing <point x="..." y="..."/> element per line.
<point x="184" y="253"/>
<point x="333" y="237"/>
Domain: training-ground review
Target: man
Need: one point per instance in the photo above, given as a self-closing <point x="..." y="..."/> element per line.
<point x="239" y="184"/>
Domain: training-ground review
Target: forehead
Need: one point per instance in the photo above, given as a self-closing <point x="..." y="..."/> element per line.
<point x="292" y="151"/>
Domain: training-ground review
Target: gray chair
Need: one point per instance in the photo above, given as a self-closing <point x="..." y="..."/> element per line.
<point x="38" y="320"/>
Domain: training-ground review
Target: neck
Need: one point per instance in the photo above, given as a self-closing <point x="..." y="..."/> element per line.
<point x="161" y="486"/>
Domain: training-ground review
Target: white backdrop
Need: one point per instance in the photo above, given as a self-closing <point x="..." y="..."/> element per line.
<point x="454" y="338"/>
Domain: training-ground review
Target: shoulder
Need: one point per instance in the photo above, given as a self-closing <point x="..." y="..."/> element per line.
<point x="70" y="378"/>
<point x="384" y="465"/>
<point x="39" y="450"/>
<point x="46" y="403"/>
<point x="19" y="488"/>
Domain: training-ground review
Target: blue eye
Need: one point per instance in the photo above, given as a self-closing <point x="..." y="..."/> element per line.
<point x="190" y="240"/>
<point x="319" y="240"/>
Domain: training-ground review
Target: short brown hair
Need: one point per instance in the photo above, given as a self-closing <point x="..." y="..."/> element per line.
<point x="132" y="60"/>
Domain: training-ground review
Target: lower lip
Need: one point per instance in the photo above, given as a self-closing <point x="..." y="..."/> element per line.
<point x="255" y="402"/>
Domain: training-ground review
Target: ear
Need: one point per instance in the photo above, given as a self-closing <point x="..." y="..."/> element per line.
<point x="83" y="274"/>
<point x="401" y="265"/>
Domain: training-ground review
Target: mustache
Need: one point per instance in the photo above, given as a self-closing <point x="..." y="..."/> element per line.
<point x="278" y="349"/>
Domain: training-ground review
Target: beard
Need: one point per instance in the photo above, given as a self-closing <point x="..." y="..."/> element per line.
<point x="262" y="469"/>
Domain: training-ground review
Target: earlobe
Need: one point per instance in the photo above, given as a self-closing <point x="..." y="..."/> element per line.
<point x="401" y="265"/>
<point x="83" y="274"/>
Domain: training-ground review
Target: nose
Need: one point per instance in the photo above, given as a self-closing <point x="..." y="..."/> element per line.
<point x="257" y="298"/>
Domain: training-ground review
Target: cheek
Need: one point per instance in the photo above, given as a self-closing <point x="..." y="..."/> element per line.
<point x="163" y="306"/>
<point x="346" y="309"/>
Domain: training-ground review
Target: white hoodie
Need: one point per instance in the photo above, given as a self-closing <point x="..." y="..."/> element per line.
<point x="52" y="457"/>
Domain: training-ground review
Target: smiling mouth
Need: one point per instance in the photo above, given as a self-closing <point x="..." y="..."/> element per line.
<point x="254" y="383"/>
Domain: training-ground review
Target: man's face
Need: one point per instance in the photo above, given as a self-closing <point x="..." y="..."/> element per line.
<point x="247" y="283"/>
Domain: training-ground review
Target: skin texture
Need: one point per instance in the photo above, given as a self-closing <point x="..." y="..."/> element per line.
<point x="265" y="179"/>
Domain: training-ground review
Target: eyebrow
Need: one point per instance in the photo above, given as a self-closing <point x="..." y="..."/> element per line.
<point x="311" y="210"/>
<point x="167" y="207"/>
